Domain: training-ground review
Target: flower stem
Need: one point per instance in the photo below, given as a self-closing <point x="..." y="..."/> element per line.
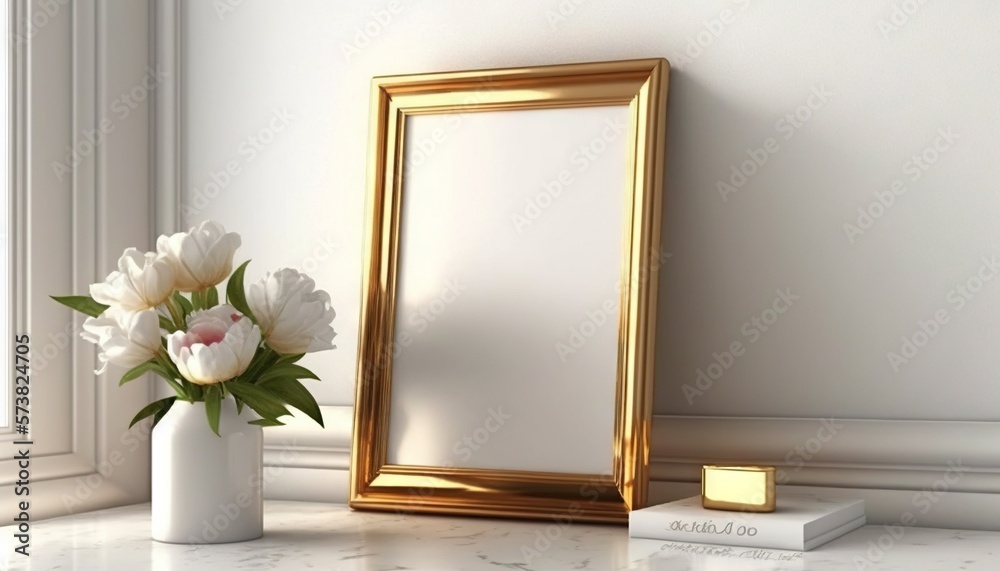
<point x="170" y="369"/>
<point x="259" y="364"/>
<point x="175" y="313"/>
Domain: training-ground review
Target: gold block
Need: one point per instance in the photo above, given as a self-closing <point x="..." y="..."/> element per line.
<point x="738" y="488"/>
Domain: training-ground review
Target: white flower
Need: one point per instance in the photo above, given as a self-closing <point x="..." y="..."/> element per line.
<point x="125" y="338"/>
<point x="201" y="257"/>
<point x="293" y="317"/>
<point x="142" y="281"/>
<point x="218" y="345"/>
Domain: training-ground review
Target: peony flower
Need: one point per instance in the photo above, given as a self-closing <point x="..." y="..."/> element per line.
<point x="218" y="345"/>
<point x="293" y="316"/>
<point x="125" y="338"/>
<point x="142" y="281"/>
<point x="201" y="257"/>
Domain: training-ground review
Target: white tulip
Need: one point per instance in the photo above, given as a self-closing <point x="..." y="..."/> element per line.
<point x="201" y="257"/>
<point x="142" y="281"/>
<point x="293" y="317"/>
<point x="218" y="345"/>
<point x="125" y="338"/>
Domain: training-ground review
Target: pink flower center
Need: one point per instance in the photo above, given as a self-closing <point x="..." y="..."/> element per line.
<point x="204" y="333"/>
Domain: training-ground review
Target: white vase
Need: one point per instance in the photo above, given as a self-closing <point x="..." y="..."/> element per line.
<point x="207" y="488"/>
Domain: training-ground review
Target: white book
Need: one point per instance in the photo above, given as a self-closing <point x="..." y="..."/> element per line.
<point x="801" y="522"/>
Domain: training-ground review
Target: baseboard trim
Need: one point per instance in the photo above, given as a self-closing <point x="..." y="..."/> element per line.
<point x="940" y="472"/>
<point x="306" y="484"/>
<point x="855" y="443"/>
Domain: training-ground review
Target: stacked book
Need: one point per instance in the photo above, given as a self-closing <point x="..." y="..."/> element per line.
<point x="801" y="522"/>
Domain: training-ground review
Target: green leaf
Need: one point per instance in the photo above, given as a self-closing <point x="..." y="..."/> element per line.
<point x="183" y="302"/>
<point x="197" y="392"/>
<point x="286" y="371"/>
<point x="213" y="401"/>
<point x="82" y="303"/>
<point x="138" y="371"/>
<point x="262" y="401"/>
<point x="211" y="297"/>
<point x="239" y="404"/>
<point x="168" y="371"/>
<point x="267" y="422"/>
<point x="262" y="358"/>
<point x="288" y="359"/>
<point x="163" y="412"/>
<point x="295" y="394"/>
<point x="236" y="295"/>
<point x="152" y="408"/>
<point x="168" y="325"/>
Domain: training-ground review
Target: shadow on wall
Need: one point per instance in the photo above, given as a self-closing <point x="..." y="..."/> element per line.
<point x="741" y="208"/>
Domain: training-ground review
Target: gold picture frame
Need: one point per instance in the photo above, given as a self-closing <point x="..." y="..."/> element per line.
<point x="641" y="85"/>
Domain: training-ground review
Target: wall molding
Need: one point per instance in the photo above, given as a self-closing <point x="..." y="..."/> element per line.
<point x="889" y="463"/>
<point x="166" y="174"/>
<point x="894" y="454"/>
<point x="305" y="462"/>
<point x="17" y="243"/>
<point x="73" y="175"/>
<point x="895" y="465"/>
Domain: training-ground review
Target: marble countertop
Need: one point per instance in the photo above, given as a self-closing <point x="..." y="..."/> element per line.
<point x="299" y="535"/>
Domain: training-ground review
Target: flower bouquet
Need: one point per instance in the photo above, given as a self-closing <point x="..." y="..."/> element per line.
<point x="141" y="319"/>
<point x="160" y="313"/>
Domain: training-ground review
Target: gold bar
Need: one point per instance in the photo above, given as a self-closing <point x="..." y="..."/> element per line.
<point x="738" y="488"/>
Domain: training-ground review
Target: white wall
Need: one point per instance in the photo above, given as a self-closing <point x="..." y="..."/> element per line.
<point x="874" y="83"/>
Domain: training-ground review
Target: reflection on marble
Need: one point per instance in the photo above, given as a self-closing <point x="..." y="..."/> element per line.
<point x="313" y="536"/>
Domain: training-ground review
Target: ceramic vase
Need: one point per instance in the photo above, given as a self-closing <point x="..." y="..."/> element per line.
<point x="206" y="488"/>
